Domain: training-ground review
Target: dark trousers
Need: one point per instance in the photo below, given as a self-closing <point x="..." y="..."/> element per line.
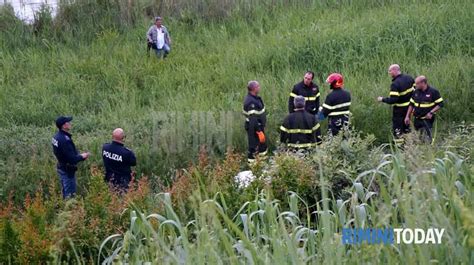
<point x="118" y="183"/>
<point x="338" y="123"/>
<point x="425" y="128"/>
<point x="255" y="146"/>
<point x="319" y="139"/>
<point x="68" y="183"/>
<point x="399" y="127"/>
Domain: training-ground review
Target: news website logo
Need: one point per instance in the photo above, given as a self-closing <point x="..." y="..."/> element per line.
<point x="389" y="236"/>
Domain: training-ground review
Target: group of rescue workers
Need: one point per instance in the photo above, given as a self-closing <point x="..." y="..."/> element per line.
<point x="300" y="130"/>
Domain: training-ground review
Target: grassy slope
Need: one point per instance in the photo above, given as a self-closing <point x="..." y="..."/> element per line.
<point x="110" y="82"/>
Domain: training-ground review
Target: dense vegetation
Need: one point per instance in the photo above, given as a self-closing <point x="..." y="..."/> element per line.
<point x="292" y="213"/>
<point x="184" y="112"/>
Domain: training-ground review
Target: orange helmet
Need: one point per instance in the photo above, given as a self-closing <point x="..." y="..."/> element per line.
<point x="336" y="80"/>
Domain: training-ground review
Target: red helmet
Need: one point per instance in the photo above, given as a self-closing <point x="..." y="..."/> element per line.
<point x="336" y="80"/>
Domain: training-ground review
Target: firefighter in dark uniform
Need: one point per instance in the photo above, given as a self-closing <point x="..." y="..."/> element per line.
<point x="299" y="128"/>
<point x="255" y="119"/>
<point x="67" y="155"/>
<point x="424" y="104"/>
<point x="118" y="161"/>
<point x="310" y="91"/>
<point x="401" y="91"/>
<point x="337" y="104"/>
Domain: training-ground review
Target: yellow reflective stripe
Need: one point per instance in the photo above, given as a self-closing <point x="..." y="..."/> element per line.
<point x="422" y="105"/>
<point x="315" y="127"/>
<point x="293" y="95"/>
<point x="395" y="93"/>
<point x="256" y="112"/>
<point x="402" y="104"/>
<point x="409" y="90"/>
<point x="306" y="131"/>
<point x="302" y="145"/>
<point x="399" y="141"/>
<point x="347" y="104"/>
<point x="263" y="153"/>
<point x="427" y="105"/>
<point x="336" y="113"/>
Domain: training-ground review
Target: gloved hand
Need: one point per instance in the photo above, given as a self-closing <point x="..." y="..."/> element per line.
<point x="261" y="137"/>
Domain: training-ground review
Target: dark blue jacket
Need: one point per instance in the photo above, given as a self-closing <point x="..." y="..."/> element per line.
<point x="424" y="101"/>
<point x="401" y="90"/>
<point x="311" y="95"/>
<point x="65" y="151"/>
<point x="118" y="161"/>
<point x="337" y="103"/>
<point x="254" y="112"/>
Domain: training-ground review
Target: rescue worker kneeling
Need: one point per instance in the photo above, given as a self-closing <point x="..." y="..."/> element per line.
<point x="299" y="129"/>
<point x="118" y="161"/>
<point x="255" y="120"/>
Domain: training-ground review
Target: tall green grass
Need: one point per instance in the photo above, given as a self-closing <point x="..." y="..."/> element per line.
<point x="95" y="67"/>
<point x="269" y="231"/>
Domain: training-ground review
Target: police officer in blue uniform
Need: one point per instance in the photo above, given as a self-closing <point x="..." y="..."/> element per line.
<point x="118" y="161"/>
<point x="67" y="155"/>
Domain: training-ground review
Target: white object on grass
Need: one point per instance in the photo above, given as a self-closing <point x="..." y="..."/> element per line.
<point x="244" y="178"/>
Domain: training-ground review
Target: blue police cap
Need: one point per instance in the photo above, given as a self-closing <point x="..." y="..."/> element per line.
<point x="61" y="120"/>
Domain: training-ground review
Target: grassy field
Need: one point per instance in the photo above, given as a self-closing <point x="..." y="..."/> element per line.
<point x="105" y="79"/>
<point x="95" y="67"/>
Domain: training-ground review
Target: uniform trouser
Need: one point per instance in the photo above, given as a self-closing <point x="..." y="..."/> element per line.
<point x="119" y="183"/>
<point x="255" y="147"/>
<point x="337" y="123"/>
<point x="68" y="183"/>
<point x="425" y="127"/>
<point x="319" y="139"/>
<point x="399" y="127"/>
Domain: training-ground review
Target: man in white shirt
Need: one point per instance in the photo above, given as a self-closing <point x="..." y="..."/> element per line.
<point x="159" y="39"/>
